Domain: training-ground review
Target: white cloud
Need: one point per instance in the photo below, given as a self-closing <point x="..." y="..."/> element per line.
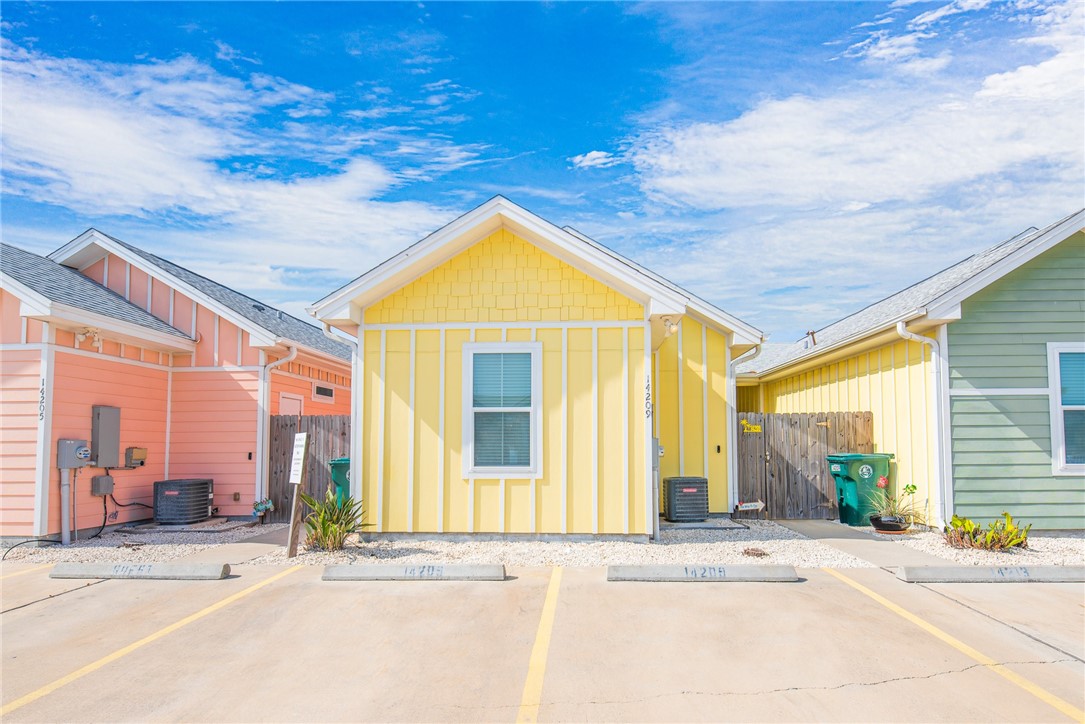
<point x="595" y="159"/>
<point x="881" y="141"/>
<point x="155" y="140"/>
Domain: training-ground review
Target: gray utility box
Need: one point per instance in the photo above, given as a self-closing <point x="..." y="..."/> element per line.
<point x="179" y="502"/>
<point x="105" y="436"/>
<point x="101" y="485"/>
<point x="685" y="500"/>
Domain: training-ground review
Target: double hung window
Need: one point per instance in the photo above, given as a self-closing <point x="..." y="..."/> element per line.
<point x="501" y="396"/>
<point x="1066" y="373"/>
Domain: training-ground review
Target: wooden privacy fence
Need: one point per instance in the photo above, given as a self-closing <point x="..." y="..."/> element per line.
<point x="329" y="438"/>
<point x="781" y="459"/>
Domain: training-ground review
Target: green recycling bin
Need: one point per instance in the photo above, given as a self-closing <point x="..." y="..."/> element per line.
<point x="341" y="477"/>
<point x="856" y="476"/>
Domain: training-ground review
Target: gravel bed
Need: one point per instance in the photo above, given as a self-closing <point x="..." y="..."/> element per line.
<point x="1067" y="549"/>
<point x="143" y="547"/>
<point x="781" y="546"/>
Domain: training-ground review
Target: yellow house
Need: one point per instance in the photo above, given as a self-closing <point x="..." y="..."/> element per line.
<point x="510" y="376"/>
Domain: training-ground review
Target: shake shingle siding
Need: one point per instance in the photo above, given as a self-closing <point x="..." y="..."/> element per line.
<point x="1001" y="447"/>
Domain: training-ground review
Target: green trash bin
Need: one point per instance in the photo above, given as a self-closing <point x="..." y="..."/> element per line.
<point x="856" y="476"/>
<point x="341" y="477"/>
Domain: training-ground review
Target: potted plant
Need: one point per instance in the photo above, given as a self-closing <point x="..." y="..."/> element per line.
<point x="892" y="513"/>
<point x="262" y="506"/>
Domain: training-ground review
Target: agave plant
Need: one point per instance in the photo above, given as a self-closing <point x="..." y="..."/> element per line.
<point x="329" y="523"/>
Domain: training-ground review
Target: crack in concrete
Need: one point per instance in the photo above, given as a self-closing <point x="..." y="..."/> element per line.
<point x="785" y="690"/>
<point x="54" y="595"/>
<point x="1004" y="623"/>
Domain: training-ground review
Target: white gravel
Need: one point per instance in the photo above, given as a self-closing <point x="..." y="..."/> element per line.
<point x="782" y="546"/>
<point x="1066" y="549"/>
<point x="143" y="547"/>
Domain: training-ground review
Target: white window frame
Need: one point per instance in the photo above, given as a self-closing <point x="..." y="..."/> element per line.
<point x="321" y="398"/>
<point x="532" y="471"/>
<point x="1059" y="466"/>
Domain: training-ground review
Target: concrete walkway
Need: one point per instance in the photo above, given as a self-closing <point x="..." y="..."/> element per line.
<point x="242" y="551"/>
<point x="880" y="552"/>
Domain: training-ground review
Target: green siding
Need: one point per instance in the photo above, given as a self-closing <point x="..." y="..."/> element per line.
<point x="1001" y="445"/>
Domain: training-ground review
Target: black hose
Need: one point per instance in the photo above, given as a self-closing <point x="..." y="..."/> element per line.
<point x="23" y="543"/>
<point x="105" y="516"/>
<point x="128" y="505"/>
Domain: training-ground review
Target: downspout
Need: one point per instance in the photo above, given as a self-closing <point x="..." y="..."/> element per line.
<point x="935" y="490"/>
<point x="263" y="440"/>
<point x="732" y="422"/>
<point x="355" y="470"/>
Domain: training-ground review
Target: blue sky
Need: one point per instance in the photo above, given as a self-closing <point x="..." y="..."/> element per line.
<point x="790" y="162"/>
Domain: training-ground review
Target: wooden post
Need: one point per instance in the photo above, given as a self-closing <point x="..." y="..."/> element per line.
<point x="297" y="479"/>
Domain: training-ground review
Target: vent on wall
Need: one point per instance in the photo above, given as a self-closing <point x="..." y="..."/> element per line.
<point x="323" y="393"/>
<point x="179" y="502"/>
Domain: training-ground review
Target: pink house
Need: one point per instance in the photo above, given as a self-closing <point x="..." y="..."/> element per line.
<point x="195" y="368"/>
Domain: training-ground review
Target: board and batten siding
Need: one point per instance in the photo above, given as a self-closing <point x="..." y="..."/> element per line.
<point x="894" y="383"/>
<point x="691" y="408"/>
<point x="593" y="381"/>
<point x="999" y="403"/>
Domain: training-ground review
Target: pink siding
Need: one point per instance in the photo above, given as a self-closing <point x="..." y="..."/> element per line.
<point x="160" y="300"/>
<point x="213" y="433"/>
<point x="205" y="331"/>
<point x="95" y="270"/>
<point x="80" y="382"/>
<point x="182" y="312"/>
<point x="228" y="334"/>
<point x="249" y="355"/>
<point x="20" y="385"/>
<point x="11" y="324"/>
<point x="116" y="273"/>
<point x="137" y="289"/>
<point x="33" y="331"/>
<point x="297" y="378"/>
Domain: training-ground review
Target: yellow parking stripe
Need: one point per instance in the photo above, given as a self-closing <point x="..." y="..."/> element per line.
<point x="536" y="668"/>
<point x="1042" y="694"/>
<point x="28" y="570"/>
<point x="121" y="653"/>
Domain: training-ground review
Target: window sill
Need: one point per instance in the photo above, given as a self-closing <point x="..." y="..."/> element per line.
<point x="502" y="473"/>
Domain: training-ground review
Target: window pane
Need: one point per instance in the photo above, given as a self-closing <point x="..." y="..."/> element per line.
<point x="503" y="439"/>
<point x="502" y="380"/>
<point x="1074" y="427"/>
<point x="1072" y="376"/>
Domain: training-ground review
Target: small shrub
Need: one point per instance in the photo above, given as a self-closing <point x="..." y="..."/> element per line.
<point x="329" y="524"/>
<point x="999" y="535"/>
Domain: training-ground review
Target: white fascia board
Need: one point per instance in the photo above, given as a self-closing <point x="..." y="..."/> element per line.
<point x="743" y="334"/>
<point x="71" y="251"/>
<point x="475" y="225"/>
<point x="308" y="351"/>
<point x="810" y="357"/>
<point x="344" y="315"/>
<point x="31" y="303"/>
<point x="944" y="306"/>
<point x="122" y="331"/>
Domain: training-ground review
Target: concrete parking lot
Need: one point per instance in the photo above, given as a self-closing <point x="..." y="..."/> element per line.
<point x="279" y="644"/>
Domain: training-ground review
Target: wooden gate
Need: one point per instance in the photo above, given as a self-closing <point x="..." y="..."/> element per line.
<point x="329" y="438"/>
<point x="781" y="459"/>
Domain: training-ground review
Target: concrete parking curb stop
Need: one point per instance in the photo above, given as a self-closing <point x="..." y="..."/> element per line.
<point x="692" y="573"/>
<point x="147" y="571"/>
<point x="422" y="572"/>
<point x="991" y="574"/>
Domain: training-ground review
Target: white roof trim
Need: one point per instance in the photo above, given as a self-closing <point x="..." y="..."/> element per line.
<point x="947" y="306"/>
<point x="259" y="336"/>
<point x="571" y="247"/>
<point x="30" y="299"/>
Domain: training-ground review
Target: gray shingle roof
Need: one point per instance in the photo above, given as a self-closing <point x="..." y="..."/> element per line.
<point x="895" y="307"/>
<point x="67" y="286"/>
<point x="277" y="322"/>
